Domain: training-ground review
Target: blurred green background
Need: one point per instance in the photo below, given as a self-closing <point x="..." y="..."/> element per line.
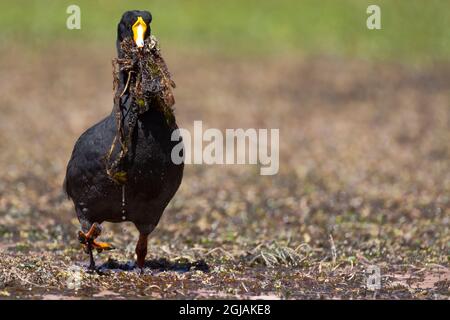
<point x="415" y="31"/>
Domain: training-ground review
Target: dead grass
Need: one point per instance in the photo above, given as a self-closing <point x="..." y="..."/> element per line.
<point x="364" y="179"/>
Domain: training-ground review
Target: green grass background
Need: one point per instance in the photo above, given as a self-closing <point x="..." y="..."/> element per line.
<point x="412" y="30"/>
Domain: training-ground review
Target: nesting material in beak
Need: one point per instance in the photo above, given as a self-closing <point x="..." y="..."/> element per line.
<point x="139" y="29"/>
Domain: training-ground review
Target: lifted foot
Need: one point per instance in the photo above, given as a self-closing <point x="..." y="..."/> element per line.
<point x="89" y="243"/>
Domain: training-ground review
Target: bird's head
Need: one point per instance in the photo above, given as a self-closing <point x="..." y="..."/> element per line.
<point x="135" y="25"/>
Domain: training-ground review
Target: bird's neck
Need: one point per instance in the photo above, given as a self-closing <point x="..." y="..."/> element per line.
<point x="125" y="100"/>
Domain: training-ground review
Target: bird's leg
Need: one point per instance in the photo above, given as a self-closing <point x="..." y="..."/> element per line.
<point x="141" y="249"/>
<point x="88" y="241"/>
<point x="91" y="257"/>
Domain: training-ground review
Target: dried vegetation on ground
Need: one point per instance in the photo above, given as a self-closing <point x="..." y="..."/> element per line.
<point x="364" y="180"/>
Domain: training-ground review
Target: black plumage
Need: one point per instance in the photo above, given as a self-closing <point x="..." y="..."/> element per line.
<point x="151" y="177"/>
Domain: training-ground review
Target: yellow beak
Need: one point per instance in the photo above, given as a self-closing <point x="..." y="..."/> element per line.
<point x="139" y="28"/>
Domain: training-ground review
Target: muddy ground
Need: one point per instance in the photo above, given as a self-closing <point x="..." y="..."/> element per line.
<point x="364" y="180"/>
